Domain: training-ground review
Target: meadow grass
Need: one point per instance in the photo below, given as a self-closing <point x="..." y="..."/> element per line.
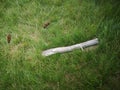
<point x="22" y="67"/>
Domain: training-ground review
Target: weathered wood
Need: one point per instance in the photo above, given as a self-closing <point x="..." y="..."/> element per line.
<point x="70" y="48"/>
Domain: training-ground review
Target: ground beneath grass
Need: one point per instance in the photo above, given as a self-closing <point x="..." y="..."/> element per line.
<point x="22" y="67"/>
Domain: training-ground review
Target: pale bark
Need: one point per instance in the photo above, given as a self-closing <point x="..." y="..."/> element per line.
<point x="70" y="48"/>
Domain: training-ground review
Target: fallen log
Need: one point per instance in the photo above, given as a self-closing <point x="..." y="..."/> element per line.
<point x="70" y="48"/>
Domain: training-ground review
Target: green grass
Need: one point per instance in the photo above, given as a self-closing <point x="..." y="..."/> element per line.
<point x="22" y="67"/>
